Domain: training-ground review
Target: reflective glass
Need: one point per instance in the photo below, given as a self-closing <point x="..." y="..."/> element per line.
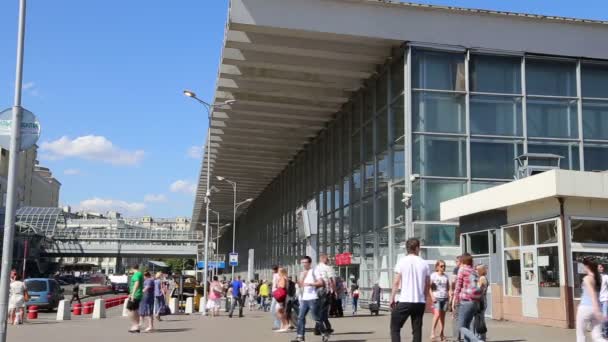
<point x="356" y="149"/>
<point x="494" y="74"/>
<point x="368" y="104"/>
<point x="438" y="112"/>
<point x="356" y="189"/>
<point x="381" y="210"/>
<point x="368" y="141"/>
<point x="355" y="222"/>
<point x="552" y="118"/>
<point x="356" y="114"/>
<point x="398" y="119"/>
<point x="397" y="77"/>
<point x="346" y="222"/>
<point x="346" y="190"/>
<point x="429" y="193"/>
<point x="370" y="174"/>
<point x="496" y="115"/>
<point x="381" y="89"/>
<point x="595" y="119"/>
<point x="478" y="186"/>
<point x="596" y="158"/>
<point x="398" y="162"/>
<point x="556" y="78"/>
<point x="382" y="168"/>
<point x="368" y="214"/>
<point x="493" y="159"/>
<point x="439" y="156"/>
<point x="435" y="235"/>
<point x="438" y="70"/>
<point x="594" y="80"/>
<point x="399" y="207"/>
<point x="569" y="151"/>
<point x="382" y="132"/>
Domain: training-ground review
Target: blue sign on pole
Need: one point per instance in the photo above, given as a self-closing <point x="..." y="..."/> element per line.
<point x="212" y="264"/>
<point x="233" y="260"/>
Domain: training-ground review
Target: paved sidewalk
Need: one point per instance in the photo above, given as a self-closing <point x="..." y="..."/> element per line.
<point x="254" y="327"/>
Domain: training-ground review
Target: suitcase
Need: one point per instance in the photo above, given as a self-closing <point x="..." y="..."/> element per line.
<point x="374" y="309"/>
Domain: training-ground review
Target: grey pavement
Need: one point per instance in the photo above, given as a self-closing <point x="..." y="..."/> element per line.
<point x="255" y="326"/>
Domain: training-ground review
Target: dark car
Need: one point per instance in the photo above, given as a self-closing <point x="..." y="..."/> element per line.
<point x="120" y="288"/>
<point x="44" y="293"/>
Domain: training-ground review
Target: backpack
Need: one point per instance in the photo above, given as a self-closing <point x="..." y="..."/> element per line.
<point x="291" y="289"/>
<point x="474" y="291"/>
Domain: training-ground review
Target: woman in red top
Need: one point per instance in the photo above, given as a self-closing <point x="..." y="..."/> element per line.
<point x="467" y="295"/>
<point x="280" y="295"/>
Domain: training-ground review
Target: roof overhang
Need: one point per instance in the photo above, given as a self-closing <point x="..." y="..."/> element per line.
<point x="550" y="184"/>
<point x="292" y="64"/>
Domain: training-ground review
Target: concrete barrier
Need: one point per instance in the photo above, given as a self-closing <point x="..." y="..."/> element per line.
<point x="189" y="305"/>
<point x="173" y="305"/>
<point x="63" y="311"/>
<point x="99" y="309"/>
<point x="202" y="303"/>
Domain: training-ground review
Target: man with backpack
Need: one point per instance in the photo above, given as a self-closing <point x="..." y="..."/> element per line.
<point x="310" y="281"/>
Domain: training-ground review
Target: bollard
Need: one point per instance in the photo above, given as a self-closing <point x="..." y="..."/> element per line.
<point x="77" y="310"/>
<point x="99" y="310"/>
<point x="32" y="312"/>
<point x="173" y="305"/>
<point x="189" y="305"/>
<point x="125" y="312"/>
<point x="63" y="311"/>
<point x="202" y="303"/>
<point x="87" y="308"/>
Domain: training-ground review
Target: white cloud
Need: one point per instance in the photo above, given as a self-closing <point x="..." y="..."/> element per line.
<point x="104" y="205"/>
<point x="196" y="152"/>
<point x="31" y="88"/>
<point x="28" y="85"/>
<point x="90" y="147"/>
<point x="152" y="198"/>
<point x="183" y="186"/>
<point x="71" y="172"/>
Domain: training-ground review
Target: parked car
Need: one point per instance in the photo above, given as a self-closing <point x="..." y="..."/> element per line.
<point x="120" y="288"/>
<point x="44" y="293"/>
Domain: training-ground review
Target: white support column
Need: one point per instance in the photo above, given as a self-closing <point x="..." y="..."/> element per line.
<point x="190" y="305"/>
<point x="173" y="305"/>
<point x="99" y="310"/>
<point x="63" y="311"/>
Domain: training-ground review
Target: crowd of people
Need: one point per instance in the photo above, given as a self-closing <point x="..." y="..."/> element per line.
<point x="147" y="302"/>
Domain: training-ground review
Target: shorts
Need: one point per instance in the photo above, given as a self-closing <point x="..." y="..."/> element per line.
<point x="441" y="305"/>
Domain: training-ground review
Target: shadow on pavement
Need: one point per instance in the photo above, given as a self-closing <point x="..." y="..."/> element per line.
<point x="353" y="333"/>
<point x="172" y="330"/>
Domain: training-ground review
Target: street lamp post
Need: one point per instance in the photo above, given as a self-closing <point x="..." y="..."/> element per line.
<point x="236" y="206"/>
<point x="209" y="107"/>
<point x="217" y="237"/>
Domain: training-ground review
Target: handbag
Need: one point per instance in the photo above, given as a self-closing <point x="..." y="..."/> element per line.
<point x="280" y="294"/>
<point x="131" y="305"/>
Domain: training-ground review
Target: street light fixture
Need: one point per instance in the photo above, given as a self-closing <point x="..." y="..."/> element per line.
<point x="236" y="206"/>
<point x="209" y="107"/>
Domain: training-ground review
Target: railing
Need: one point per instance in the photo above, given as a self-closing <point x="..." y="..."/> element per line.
<point x="131" y="235"/>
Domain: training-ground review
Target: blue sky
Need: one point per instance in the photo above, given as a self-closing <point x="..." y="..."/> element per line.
<point x="106" y="78"/>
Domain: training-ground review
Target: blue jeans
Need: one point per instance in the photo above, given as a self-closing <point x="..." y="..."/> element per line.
<point x="305" y="307"/>
<point x="466" y="313"/>
<point x="276" y="324"/>
<point x="604" y="306"/>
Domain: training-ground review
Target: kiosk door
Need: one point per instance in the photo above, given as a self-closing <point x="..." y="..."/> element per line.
<point x="529" y="295"/>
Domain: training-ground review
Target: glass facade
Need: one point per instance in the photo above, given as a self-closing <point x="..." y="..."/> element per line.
<point x="436" y="124"/>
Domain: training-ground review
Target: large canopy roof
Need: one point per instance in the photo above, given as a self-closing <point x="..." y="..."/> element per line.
<point x="291" y="64"/>
<point x="40" y="221"/>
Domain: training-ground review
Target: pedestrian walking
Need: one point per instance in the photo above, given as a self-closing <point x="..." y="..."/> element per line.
<point x="374" y="305"/>
<point x="479" y="323"/>
<point x="146" y="306"/>
<point x="252" y="295"/>
<point x="454" y="305"/>
<point x="280" y="295"/>
<point x="135" y="295"/>
<point x="276" y="324"/>
<point x="215" y="297"/>
<point x="159" y="297"/>
<point x="237" y="297"/>
<point x="603" y="290"/>
<point x="355" y="295"/>
<point x="75" y="293"/>
<point x="439" y="293"/>
<point x="292" y="303"/>
<point x="310" y="281"/>
<point x="18" y="296"/>
<point x="589" y="312"/>
<point x="467" y="294"/>
<point x="412" y="278"/>
<point x="340" y="296"/>
<point x="325" y="293"/>
<point x="264" y="295"/>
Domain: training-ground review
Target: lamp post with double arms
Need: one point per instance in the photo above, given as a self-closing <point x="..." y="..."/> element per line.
<point x="209" y="107"/>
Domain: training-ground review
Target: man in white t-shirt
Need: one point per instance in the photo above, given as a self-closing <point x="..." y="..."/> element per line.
<point x="310" y="280"/>
<point x="603" y="290"/>
<point x="412" y="278"/>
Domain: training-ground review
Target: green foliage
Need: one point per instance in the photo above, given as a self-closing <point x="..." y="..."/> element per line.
<point x="177" y="265"/>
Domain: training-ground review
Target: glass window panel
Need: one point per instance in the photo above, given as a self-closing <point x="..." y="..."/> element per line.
<point x="338" y="238"/>
<point x="370" y="174"/>
<point x="548" y="273"/>
<point x="356" y="195"/>
<point x="544" y="77"/>
<point x="368" y="142"/>
<point x="397" y="77"/>
<point x="383" y="167"/>
<point x="368" y="104"/>
<point x="368" y="214"/>
<point x="346" y="223"/>
<point x="511" y="237"/>
<point x="494" y="74"/>
<point x="439" y="156"/>
<point x="399" y="207"/>
<point x="398" y="124"/>
<point x="356" y="149"/>
<point x="596" y="158"/>
<point x="355" y="223"/>
<point x="595" y="119"/>
<point x="438" y="70"/>
<point x="478" y="186"/>
<point x="513" y="273"/>
<point x="496" y="115"/>
<point x="438" y="112"/>
<point x="337" y="195"/>
<point x="494" y="159"/>
<point x="547" y="232"/>
<point x="589" y="231"/>
<point x="527" y="235"/>
<point x="382" y="132"/>
<point x="428" y="195"/>
<point x="346" y="190"/>
<point x="594" y="80"/>
<point x="579" y="270"/>
<point x="569" y="151"/>
<point x="552" y="118"/>
<point x="436" y="234"/>
<point x="381" y="210"/>
<point x="398" y="162"/>
<point x="356" y="115"/>
<point x="381" y="89"/>
<point x="480" y="243"/>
